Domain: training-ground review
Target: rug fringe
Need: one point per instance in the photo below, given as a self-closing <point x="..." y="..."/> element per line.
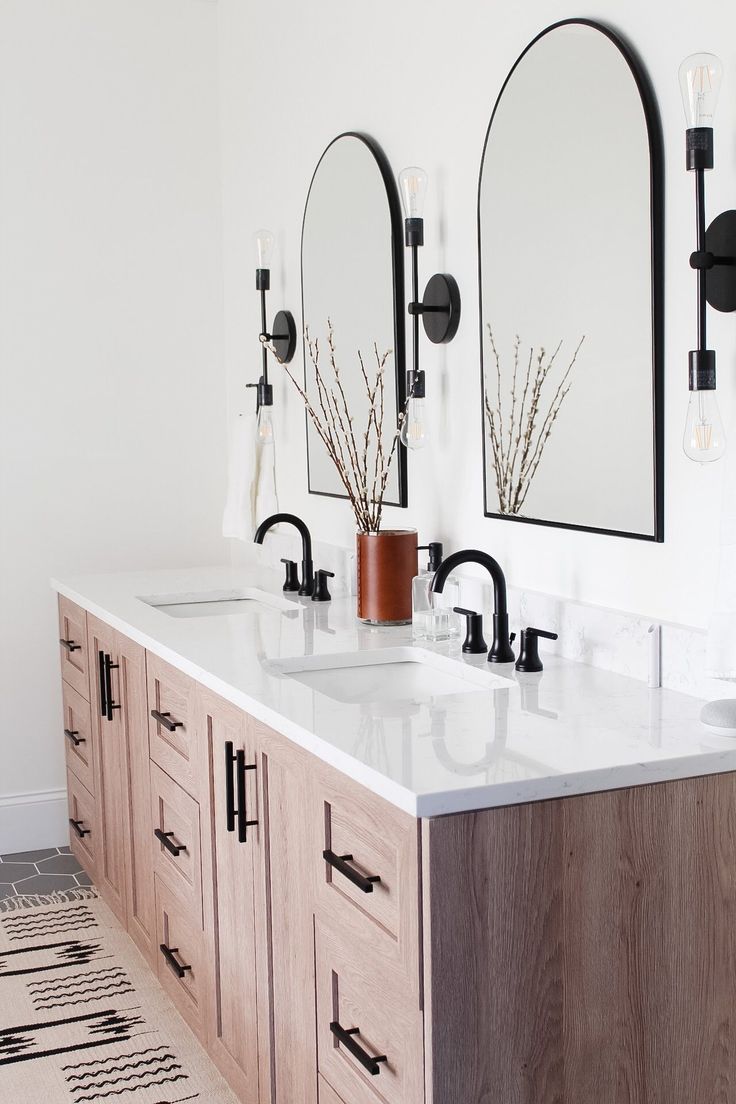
<point x="35" y="900"/>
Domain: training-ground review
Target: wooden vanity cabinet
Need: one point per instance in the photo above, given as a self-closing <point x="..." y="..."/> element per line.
<point x="122" y="784"/>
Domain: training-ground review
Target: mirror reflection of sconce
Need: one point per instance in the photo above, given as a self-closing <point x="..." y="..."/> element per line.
<point x="282" y="339"/>
<point x="714" y="260"/>
<point x="439" y="307"/>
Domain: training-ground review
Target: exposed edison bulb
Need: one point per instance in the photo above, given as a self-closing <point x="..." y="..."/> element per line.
<point x="414" y="427"/>
<point x="700" y="83"/>
<point x="264" y="243"/>
<point x="413" y="185"/>
<point x="704" y="439"/>
<point x="264" y="426"/>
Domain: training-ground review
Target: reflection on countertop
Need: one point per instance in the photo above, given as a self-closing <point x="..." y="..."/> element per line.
<point x="572" y="729"/>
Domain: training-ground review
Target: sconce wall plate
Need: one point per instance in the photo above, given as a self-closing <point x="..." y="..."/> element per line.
<point x="441" y="308"/>
<point x="283" y="338"/>
<point x="720" y="280"/>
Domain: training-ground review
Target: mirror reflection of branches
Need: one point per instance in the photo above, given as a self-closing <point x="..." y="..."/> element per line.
<point x="519" y="424"/>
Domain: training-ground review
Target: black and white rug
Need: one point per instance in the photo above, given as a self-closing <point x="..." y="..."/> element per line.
<point x="82" y="1018"/>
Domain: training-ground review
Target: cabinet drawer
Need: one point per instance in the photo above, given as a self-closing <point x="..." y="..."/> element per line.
<point x="171" y="722"/>
<point x="327" y="1094"/>
<point x="369" y="883"/>
<point x="79" y="737"/>
<point x="73" y="646"/>
<point x="84" y="834"/>
<point x="376" y="1017"/>
<point x="177" y="860"/>
<point x="180" y="958"/>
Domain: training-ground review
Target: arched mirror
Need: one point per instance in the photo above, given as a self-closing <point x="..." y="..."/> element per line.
<point x="353" y="296"/>
<point x="570" y="232"/>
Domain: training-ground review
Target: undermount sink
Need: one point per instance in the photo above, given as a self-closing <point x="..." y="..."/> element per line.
<point x="217" y="603"/>
<point x="388" y="674"/>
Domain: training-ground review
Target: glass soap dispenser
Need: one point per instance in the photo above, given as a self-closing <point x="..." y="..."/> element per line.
<point x="432" y="614"/>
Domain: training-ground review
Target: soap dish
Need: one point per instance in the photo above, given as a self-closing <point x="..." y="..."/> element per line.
<point x="720" y="716"/>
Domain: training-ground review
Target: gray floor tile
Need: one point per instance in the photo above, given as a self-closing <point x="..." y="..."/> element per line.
<point x="45" y="883"/>
<point x="6" y="891"/>
<point x="16" y="871"/>
<point x="84" y="879"/>
<point x="65" y="850"/>
<point x="31" y="856"/>
<point x="59" y="864"/>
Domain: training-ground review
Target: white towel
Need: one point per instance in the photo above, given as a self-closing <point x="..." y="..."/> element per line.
<point x="251" y="485"/>
<point x="721" y="656"/>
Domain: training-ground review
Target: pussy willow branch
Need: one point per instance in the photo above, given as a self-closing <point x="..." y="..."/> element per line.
<point x="517" y="438"/>
<point x="361" y="460"/>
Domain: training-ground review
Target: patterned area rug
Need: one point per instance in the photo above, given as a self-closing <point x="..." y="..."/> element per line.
<point x="83" y="1019"/>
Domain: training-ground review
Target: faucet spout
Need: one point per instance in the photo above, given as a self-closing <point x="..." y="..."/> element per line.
<point x="307" y="565"/>
<point x="500" y="651"/>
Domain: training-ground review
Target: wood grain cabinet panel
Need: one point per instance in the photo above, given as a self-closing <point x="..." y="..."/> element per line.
<point x="383" y="844"/>
<point x="171" y="723"/>
<point x="180" y="957"/>
<point x="584" y="949"/>
<point x="84" y="833"/>
<point x="79" y="737"/>
<point x="73" y="649"/>
<point x="177" y="859"/>
<point x="239" y="1024"/>
<point x="327" y="1094"/>
<point x="381" y="1018"/>
<point x="288" y="803"/>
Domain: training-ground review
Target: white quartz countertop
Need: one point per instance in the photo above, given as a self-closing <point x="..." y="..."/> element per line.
<point x="572" y="729"/>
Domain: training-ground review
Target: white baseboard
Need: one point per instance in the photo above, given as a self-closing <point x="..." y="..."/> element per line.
<point x="31" y="821"/>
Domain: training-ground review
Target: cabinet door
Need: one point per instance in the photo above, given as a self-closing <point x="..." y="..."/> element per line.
<point x="229" y="857"/>
<point x="138" y="841"/>
<point x="286" y="778"/>
<point x="112" y="809"/>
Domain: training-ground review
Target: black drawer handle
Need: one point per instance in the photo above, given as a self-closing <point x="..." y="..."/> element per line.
<point x="366" y="1060"/>
<point x="106" y="700"/>
<point x="165" y="838"/>
<point x="165" y="720"/>
<point x="77" y="826"/>
<point x="70" y="645"/>
<point x="168" y="952"/>
<point x="240" y="768"/>
<point x="340" y="863"/>
<point x="73" y="735"/>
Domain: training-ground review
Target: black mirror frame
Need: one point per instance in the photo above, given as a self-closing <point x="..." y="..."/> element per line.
<point x="656" y="179"/>
<point x="397" y="262"/>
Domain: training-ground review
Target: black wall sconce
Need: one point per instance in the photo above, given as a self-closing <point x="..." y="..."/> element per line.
<point x="282" y="339"/>
<point x="714" y="259"/>
<point x="439" y="307"/>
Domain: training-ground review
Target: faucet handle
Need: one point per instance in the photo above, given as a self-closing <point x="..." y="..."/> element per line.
<point x="292" y="575"/>
<point x="321" y="593"/>
<point x="529" y="649"/>
<point x="474" y="643"/>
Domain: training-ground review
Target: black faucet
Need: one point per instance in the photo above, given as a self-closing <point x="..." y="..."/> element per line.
<point x="501" y="651"/>
<point x="307" y="566"/>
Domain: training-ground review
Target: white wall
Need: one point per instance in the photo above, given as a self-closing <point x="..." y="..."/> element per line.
<point x="112" y="393"/>
<point x="422" y="78"/>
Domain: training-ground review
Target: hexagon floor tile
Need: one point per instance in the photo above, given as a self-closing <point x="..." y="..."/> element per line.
<point x="43" y="871"/>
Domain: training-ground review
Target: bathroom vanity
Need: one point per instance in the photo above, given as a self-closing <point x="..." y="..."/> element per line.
<point x="367" y="872"/>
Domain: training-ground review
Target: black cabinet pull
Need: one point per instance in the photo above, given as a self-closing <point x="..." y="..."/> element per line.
<point x="340" y="863"/>
<point x="165" y="838"/>
<point x="73" y="735"/>
<point x="77" y="826"/>
<point x="70" y="645"/>
<point x="229" y="786"/>
<point x="168" y="952"/>
<point x="108" y="666"/>
<point x="366" y="1060"/>
<point x="103" y="683"/>
<point x="240" y="768"/>
<point x="165" y="720"/>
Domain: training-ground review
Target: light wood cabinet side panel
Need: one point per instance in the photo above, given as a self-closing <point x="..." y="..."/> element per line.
<point x="584" y="949"/>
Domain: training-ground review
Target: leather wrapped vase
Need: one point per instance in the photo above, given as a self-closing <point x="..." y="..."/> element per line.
<point x="387" y="563"/>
